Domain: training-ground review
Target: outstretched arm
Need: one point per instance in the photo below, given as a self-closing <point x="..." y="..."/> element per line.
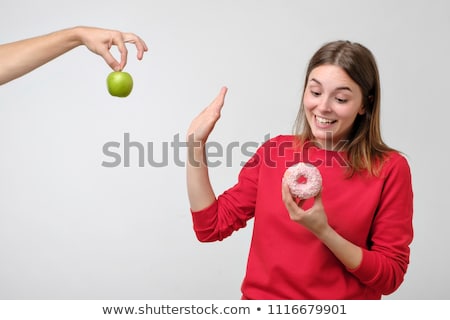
<point x="20" y="57"/>
<point x="200" y="192"/>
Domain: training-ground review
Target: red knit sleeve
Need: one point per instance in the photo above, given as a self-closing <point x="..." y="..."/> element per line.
<point x="233" y="208"/>
<point x="385" y="262"/>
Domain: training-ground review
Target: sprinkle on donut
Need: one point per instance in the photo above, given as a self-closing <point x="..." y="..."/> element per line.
<point x="305" y="171"/>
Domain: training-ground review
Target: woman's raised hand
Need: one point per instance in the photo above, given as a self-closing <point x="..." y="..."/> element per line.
<point x="204" y="123"/>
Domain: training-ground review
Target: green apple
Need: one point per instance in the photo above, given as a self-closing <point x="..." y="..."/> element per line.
<point x="119" y="84"/>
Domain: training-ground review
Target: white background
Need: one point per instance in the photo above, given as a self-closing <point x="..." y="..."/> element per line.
<point x="73" y="229"/>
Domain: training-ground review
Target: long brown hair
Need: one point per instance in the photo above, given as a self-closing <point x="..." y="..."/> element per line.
<point x="365" y="148"/>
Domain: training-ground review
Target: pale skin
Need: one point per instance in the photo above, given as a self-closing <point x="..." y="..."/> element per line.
<point x="330" y="94"/>
<point x="338" y="100"/>
<point x="20" y="57"/>
<point x="200" y="191"/>
<point x="332" y="100"/>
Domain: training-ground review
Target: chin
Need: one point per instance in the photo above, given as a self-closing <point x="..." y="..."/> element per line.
<point x="323" y="135"/>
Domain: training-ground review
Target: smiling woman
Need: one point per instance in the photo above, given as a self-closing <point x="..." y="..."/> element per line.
<point x="351" y="246"/>
<point x="342" y="81"/>
<point x="332" y="101"/>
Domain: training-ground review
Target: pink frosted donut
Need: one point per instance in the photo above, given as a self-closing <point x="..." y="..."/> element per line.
<point x="304" y="190"/>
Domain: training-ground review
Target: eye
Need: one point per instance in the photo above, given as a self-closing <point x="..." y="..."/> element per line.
<point x="341" y="100"/>
<point x="315" y="93"/>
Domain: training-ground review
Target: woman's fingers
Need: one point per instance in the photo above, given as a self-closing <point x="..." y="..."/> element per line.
<point x="292" y="203"/>
<point x="204" y="123"/>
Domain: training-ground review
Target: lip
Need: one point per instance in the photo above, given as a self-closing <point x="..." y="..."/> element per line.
<point x="323" y="125"/>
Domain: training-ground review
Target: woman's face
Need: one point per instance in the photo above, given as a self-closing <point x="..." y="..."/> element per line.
<point x="332" y="100"/>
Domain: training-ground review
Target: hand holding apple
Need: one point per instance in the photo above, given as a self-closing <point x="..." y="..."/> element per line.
<point x="119" y="84"/>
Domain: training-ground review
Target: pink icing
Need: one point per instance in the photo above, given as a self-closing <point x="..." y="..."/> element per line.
<point x="304" y="190"/>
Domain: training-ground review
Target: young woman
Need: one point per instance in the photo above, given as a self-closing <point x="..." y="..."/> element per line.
<point x="349" y="242"/>
<point x="20" y="57"/>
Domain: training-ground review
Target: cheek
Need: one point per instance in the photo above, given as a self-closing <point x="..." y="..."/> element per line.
<point x="308" y="103"/>
<point x="348" y="114"/>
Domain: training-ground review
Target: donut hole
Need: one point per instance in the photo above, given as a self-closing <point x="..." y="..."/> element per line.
<point x="302" y="180"/>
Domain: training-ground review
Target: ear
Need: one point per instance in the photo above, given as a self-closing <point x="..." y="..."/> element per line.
<point x="362" y="110"/>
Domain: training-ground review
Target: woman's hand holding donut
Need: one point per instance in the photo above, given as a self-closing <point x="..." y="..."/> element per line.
<point x="314" y="219"/>
<point x="204" y="123"/>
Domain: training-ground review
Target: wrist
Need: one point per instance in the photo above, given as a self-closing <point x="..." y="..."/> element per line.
<point x="196" y="154"/>
<point x="74" y="36"/>
<point x="325" y="234"/>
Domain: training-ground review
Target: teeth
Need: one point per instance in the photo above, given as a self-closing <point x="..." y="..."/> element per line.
<point x="323" y="120"/>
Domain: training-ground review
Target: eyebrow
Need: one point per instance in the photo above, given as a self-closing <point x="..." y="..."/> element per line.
<point x="337" y="89"/>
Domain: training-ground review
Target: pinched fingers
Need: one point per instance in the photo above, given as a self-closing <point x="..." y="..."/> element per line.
<point x="123" y="54"/>
<point x="100" y="41"/>
<point x="119" y="39"/>
<point x="112" y="62"/>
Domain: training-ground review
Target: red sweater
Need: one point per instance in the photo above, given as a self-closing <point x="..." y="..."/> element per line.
<point x="286" y="261"/>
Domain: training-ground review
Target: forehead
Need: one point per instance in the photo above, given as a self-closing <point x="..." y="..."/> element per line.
<point x="329" y="75"/>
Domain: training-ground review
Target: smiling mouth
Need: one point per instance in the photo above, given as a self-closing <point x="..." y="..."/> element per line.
<point x="324" y="121"/>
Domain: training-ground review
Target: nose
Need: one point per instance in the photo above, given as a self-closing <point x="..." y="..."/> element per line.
<point x="324" y="105"/>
